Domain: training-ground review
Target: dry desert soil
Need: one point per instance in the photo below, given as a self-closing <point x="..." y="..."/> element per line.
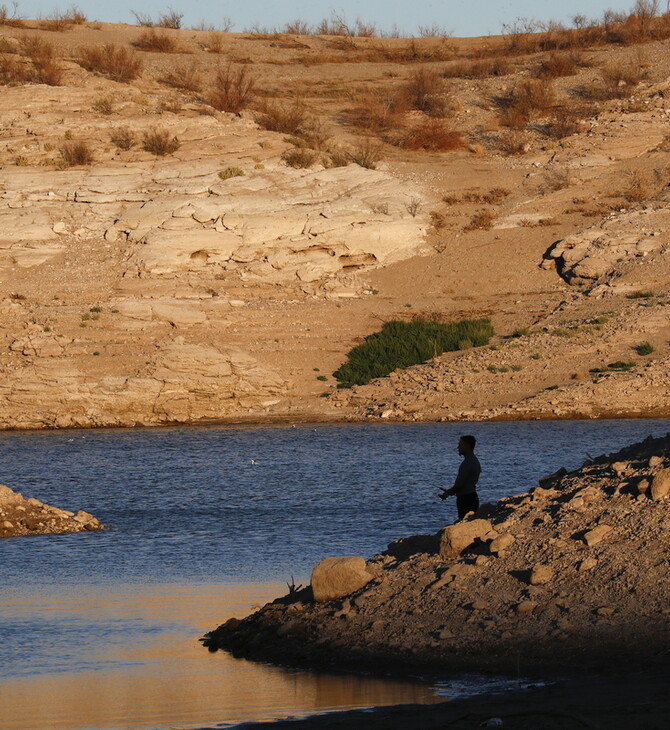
<point x="163" y="260"/>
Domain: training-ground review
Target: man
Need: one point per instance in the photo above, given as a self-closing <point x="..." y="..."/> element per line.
<point x="465" y="486"/>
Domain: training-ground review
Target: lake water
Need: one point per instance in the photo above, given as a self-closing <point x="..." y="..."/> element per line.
<point x="99" y="630"/>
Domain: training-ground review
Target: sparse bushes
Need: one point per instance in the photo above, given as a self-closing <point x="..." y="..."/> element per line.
<point x="478" y="69"/>
<point x="115" y="62"/>
<point x="123" y="138"/>
<point x="299" y="157"/>
<point x="641" y="184"/>
<point x="645" y="348"/>
<point x="560" y="64"/>
<point x="425" y="92"/>
<point x="481" y="221"/>
<point x="185" y="77"/>
<point x="153" y="41"/>
<point x="76" y="152"/>
<point x="231" y="172"/>
<point x="214" y="42"/>
<point x="287" y="118"/>
<point x="528" y="100"/>
<point x="103" y="105"/>
<point x="159" y="142"/>
<point x="432" y="135"/>
<point x="45" y="69"/>
<point x="367" y="154"/>
<point x="233" y="89"/>
<point x="402" y="344"/>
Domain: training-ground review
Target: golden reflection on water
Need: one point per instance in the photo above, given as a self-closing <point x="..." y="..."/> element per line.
<point x="152" y="672"/>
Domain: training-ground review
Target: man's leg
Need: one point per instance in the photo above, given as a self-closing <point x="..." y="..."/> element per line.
<point x="467" y="503"/>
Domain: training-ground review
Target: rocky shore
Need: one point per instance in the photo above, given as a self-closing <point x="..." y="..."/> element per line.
<point x="20" y="516"/>
<point x="567" y="579"/>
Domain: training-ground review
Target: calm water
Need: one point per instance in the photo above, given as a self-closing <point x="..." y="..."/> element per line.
<point x="103" y="627"/>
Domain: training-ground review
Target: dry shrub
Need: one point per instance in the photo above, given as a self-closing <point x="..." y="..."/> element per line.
<point x="336" y="157"/>
<point x="11" y="19"/>
<point x="479" y="69"/>
<point x="153" y="41"/>
<point x="641" y="184"/>
<point x="621" y="78"/>
<point x="299" y="157"/>
<point x="45" y="67"/>
<point x="425" y="91"/>
<point x="173" y="105"/>
<point x="297" y="27"/>
<point x="490" y="197"/>
<point x="432" y="135"/>
<point x="233" y="89"/>
<point x="76" y="152"/>
<point x="184" y="77"/>
<point x="159" y="142"/>
<point x="379" y="113"/>
<point x="114" y="62"/>
<point x="512" y="143"/>
<point x="288" y="118"/>
<point x="482" y="220"/>
<point x="13" y="72"/>
<point x="171" y="19"/>
<point x="564" y="122"/>
<point x="529" y="99"/>
<point x="560" y="64"/>
<point x="553" y="180"/>
<point x="103" y="105"/>
<point x="123" y="138"/>
<point x="214" y="42"/>
<point x="367" y="154"/>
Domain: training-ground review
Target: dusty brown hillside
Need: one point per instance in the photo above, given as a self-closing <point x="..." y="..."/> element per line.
<point x="164" y="260"/>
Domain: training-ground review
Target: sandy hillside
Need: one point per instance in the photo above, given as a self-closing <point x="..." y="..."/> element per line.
<point x="164" y="260"/>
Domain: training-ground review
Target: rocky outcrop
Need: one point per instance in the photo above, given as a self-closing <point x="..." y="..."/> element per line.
<point x="19" y="516"/>
<point x="581" y="581"/>
<point x="595" y="253"/>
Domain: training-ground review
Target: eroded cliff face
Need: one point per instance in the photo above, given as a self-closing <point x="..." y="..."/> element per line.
<point x="127" y="284"/>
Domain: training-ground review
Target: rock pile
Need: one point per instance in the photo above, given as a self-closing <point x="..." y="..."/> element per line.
<point x="19" y="516"/>
<point x="572" y="573"/>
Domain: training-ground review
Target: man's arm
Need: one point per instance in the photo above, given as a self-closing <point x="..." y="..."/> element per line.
<point x="458" y="484"/>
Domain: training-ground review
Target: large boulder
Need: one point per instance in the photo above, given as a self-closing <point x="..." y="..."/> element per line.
<point x="334" y="578"/>
<point x="660" y="486"/>
<point x="455" y="538"/>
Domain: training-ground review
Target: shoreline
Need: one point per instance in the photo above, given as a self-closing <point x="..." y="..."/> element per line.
<point x="308" y="418"/>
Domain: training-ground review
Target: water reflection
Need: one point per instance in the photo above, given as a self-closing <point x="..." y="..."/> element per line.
<point x="129" y="657"/>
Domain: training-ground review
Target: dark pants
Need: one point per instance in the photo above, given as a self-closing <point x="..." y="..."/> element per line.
<point x="467" y="503"/>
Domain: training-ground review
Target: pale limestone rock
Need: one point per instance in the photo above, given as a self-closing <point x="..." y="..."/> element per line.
<point x="455" y="538"/>
<point x="500" y="544"/>
<point x="335" y="578"/>
<point x="660" y="485"/>
<point x="541" y="574"/>
<point x="596" y="535"/>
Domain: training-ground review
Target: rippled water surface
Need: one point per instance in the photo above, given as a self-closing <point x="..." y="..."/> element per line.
<point x="103" y="627"/>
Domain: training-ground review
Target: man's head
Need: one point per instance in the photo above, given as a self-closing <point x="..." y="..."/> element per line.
<point x="466" y="445"/>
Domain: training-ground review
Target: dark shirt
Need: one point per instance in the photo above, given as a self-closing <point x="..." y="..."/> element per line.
<point x="468" y="476"/>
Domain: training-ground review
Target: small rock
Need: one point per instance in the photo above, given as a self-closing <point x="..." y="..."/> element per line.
<point x="445" y="634"/>
<point x="338" y="577"/>
<point x="642" y="486"/>
<point x="501" y="544"/>
<point x="526" y="607"/>
<point x="656" y="461"/>
<point x="541" y="574"/>
<point x="593" y="537"/>
<point x="660" y="485"/>
<point x="620" y="468"/>
<point x="83" y="517"/>
<point x="587" y="564"/>
<point x="479" y="605"/>
<point x="481" y="560"/>
<point x="605" y="611"/>
<point x="455" y="538"/>
<point x="8" y="525"/>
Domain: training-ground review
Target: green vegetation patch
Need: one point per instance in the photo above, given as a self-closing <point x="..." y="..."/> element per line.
<point x="402" y="344"/>
<point x="618" y="366"/>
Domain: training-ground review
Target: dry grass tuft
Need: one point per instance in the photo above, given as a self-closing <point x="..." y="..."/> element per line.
<point x="154" y="41"/>
<point x="642" y="185"/>
<point x="104" y="105"/>
<point x="481" y="221"/>
<point x="528" y="100"/>
<point x="45" y="68"/>
<point x="187" y="78"/>
<point x="299" y="157"/>
<point x="425" y="91"/>
<point x="367" y="154"/>
<point x="123" y="138"/>
<point x="283" y="117"/>
<point x="232" y="90"/>
<point x="14" y="72"/>
<point x="432" y="135"/>
<point x="76" y="152"/>
<point x="561" y="64"/>
<point x="512" y="143"/>
<point x="380" y="112"/>
<point x="214" y="43"/>
<point x="159" y="142"/>
<point x="114" y="62"/>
